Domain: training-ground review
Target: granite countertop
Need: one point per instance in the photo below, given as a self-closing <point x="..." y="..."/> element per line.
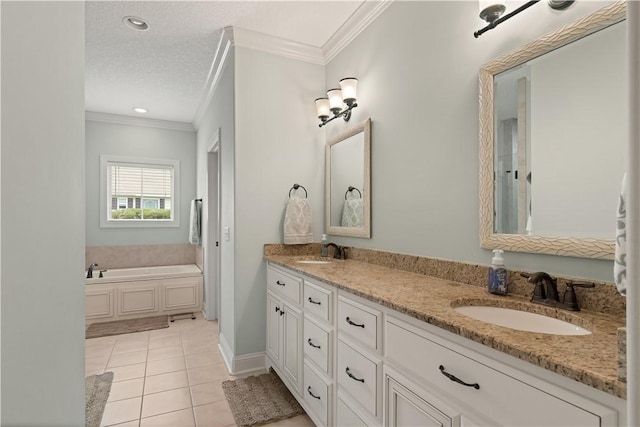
<point x="589" y="359"/>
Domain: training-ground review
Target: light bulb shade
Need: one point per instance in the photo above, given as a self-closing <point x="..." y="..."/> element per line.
<point x="322" y="108"/>
<point x="335" y="100"/>
<point x="490" y="10"/>
<point x="349" y="86"/>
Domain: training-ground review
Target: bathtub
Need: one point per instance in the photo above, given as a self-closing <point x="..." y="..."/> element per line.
<point x="127" y="293"/>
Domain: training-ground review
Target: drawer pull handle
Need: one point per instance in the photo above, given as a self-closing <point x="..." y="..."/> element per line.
<point x="314" y="302"/>
<point x="281" y="284"/>
<point x="354" y="377"/>
<point x="311" y="394"/>
<point x="312" y="344"/>
<point x="458" y="380"/>
<point x="277" y="309"/>
<point x="281" y="312"/>
<point x="349" y="321"/>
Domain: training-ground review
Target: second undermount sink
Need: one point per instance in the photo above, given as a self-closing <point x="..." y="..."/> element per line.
<point x="521" y="320"/>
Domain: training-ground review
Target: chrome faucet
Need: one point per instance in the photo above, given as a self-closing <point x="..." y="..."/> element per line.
<point x="90" y="270"/>
<point x="339" y="251"/>
<point x="546" y="291"/>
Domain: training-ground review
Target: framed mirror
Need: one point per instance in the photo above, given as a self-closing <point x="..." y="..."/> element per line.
<point x="348" y="182"/>
<point x="553" y="140"/>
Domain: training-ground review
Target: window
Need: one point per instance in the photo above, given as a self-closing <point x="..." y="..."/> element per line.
<point x="139" y="192"/>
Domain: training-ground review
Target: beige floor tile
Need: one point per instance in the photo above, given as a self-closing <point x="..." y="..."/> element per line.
<point x="199" y="347"/>
<point x="128" y="372"/>
<point x="130" y="358"/>
<point x="126" y="389"/>
<point x="164" y="382"/>
<point x="198" y="360"/>
<point x="110" y="340"/>
<point x="297" y="421"/>
<point x="98" y="351"/>
<point x="215" y="414"/>
<point x="121" y="411"/>
<point x="129" y="346"/>
<point x="135" y="423"/>
<point x="95" y="363"/>
<point x="165" y="332"/>
<point x="165" y="353"/>
<point x="207" y="393"/>
<point x="183" y="418"/>
<point x="136" y="336"/>
<point x="94" y="372"/>
<point x="166" y="401"/>
<point x="157" y="367"/>
<point x="165" y="341"/>
<point x="208" y="374"/>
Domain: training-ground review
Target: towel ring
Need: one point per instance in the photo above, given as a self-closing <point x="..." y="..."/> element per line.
<point x="351" y="189"/>
<point x="295" y="187"/>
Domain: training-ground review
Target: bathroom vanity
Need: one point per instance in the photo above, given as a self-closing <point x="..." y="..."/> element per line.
<point x="362" y="344"/>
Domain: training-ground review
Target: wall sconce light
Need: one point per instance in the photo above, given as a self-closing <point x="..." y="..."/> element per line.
<point x="336" y="99"/>
<point x="492" y="10"/>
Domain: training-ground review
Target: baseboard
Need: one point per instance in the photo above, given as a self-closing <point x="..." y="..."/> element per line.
<point x="241" y="365"/>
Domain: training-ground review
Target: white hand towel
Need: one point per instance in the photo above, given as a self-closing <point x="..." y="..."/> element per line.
<point x="353" y="213"/>
<point x="620" y="261"/>
<point x="194" y="223"/>
<point x="298" y="222"/>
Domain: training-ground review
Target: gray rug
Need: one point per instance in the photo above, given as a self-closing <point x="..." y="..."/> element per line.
<point x="118" y="327"/>
<point x="260" y="399"/>
<point x="97" y="388"/>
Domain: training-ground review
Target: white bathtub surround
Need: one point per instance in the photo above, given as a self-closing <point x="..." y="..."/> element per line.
<point x="112" y="257"/>
<point x="130" y="293"/>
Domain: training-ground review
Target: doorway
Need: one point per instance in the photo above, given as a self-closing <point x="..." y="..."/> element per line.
<point x="212" y="241"/>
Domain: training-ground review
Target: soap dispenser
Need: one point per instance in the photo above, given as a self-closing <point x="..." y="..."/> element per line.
<point x="324" y="249"/>
<point x="497" y="283"/>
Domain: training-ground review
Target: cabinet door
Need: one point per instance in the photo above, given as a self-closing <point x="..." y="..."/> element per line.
<point x="273" y="329"/>
<point x="182" y="294"/>
<point x="405" y="408"/>
<point x="292" y="351"/>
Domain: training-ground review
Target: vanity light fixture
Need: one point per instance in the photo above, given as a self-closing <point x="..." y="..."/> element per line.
<point x="492" y="10"/>
<point x="135" y="23"/>
<point x="335" y="101"/>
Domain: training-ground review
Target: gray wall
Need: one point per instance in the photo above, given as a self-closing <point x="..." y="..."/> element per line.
<point x="42" y="213"/>
<point x="418" y="81"/>
<point x="138" y="141"/>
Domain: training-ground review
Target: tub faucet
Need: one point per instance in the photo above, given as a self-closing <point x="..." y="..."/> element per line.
<point x="339" y="251"/>
<point x="90" y="270"/>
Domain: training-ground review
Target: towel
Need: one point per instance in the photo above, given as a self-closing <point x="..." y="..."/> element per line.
<point x="620" y="260"/>
<point x="353" y="213"/>
<point x="194" y="224"/>
<point x="298" y="222"/>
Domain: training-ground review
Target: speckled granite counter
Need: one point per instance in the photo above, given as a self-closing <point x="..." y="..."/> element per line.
<point x="589" y="359"/>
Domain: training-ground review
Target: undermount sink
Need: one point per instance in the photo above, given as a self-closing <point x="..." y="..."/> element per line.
<point x="313" y="261"/>
<point x="521" y="320"/>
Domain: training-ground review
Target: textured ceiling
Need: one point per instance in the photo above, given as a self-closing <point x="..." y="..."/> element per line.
<point x="164" y="69"/>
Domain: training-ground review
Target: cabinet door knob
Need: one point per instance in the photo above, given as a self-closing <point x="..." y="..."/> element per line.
<point x="458" y="380"/>
<point x="349" y="321"/>
<point x="353" y="377"/>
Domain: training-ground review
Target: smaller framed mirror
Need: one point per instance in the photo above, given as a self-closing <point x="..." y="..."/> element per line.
<point x="348" y="182"/>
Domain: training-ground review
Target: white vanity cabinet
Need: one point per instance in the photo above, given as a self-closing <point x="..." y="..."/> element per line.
<point x="284" y="326"/>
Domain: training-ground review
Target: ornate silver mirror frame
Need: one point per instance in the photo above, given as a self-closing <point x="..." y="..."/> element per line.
<point x="365" y="129"/>
<point x="568" y="246"/>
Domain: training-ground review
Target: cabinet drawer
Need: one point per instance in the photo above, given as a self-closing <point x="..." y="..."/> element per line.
<point x="317" y="301"/>
<point x="317" y="344"/>
<point x="359" y="322"/>
<point x="284" y="284"/>
<point x="358" y="376"/>
<point x="507" y="400"/>
<point x="317" y="394"/>
<point x="345" y="417"/>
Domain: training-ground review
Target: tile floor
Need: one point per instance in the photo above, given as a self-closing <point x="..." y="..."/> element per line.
<point x="168" y="377"/>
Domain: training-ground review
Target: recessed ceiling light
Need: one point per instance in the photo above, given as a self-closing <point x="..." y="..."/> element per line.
<point x="135" y="23"/>
<point x="140" y="110"/>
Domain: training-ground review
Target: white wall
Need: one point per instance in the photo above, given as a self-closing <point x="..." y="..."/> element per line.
<point x="43" y="174"/>
<point x="138" y="141"/>
<point x="220" y="116"/>
<point x="580" y="134"/>
<point x="417" y="66"/>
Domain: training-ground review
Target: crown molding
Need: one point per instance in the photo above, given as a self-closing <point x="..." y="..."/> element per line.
<point x="282" y="47"/>
<point x="215" y="72"/>
<point x="357" y="22"/>
<point x="95" y="116"/>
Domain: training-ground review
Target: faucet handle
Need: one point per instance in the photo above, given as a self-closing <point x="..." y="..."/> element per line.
<point x="570" y="300"/>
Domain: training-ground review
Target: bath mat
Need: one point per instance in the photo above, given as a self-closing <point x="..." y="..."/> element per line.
<point x="97" y="388"/>
<point x="118" y="327"/>
<point x="260" y="399"/>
